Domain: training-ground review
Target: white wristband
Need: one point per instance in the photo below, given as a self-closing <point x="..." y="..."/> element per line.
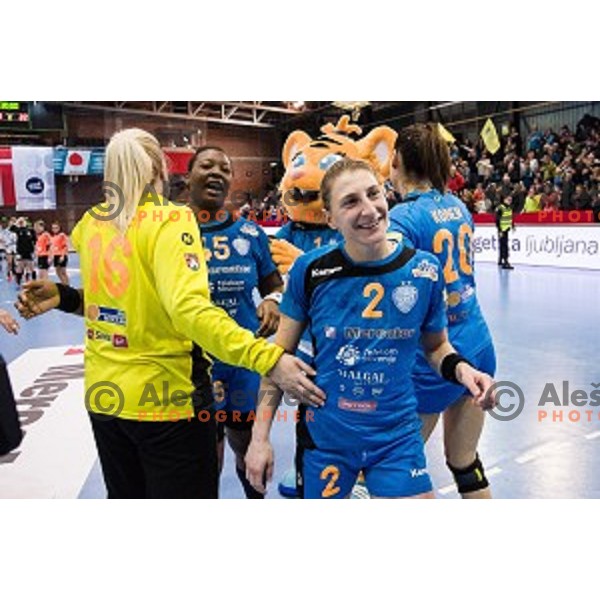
<point x="275" y="296"/>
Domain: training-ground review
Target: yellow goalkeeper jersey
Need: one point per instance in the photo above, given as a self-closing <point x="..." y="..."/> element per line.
<point x="146" y="298"/>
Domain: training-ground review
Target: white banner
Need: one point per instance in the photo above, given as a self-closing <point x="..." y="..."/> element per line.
<point x="33" y="175"/>
<point x="58" y="450"/>
<point x="575" y="247"/>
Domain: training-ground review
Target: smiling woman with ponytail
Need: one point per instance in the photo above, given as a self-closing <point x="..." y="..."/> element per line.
<point x="431" y="219"/>
<point x="145" y="298"/>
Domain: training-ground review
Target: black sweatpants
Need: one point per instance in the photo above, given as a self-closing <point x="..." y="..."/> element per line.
<point x="503" y="246"/>
<point x="157" y="459"/>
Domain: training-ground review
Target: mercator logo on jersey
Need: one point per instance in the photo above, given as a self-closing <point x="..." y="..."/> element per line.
<point x="427" y="270"/>
<point x="405" y="297"/>
<point x="242" y="246"/>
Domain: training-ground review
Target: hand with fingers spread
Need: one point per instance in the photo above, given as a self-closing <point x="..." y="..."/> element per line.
<point x="479" y="385"/>
<point x="8" y="322"/>
<point x="292" y="376"/>
<point x="268" y="315"/>
<point x="37" y="297"/>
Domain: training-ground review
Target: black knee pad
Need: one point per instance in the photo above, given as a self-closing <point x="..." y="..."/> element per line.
<point x="470" y="479"/>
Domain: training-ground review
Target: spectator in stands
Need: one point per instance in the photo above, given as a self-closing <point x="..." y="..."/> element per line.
<point x="491" y="193"/>
<point x="535" y="140"/>
<point x="548" y="168"/>
<point x="532" y="201"/>
<point x="485" y="168"/>
<point x="567" y="191"/>
<point x="519" y="195"/>
<point x="506" y="189"/>
<point x="479" y="193"/>
<point x="513" y="168"/>
<point x="534" y="164"/>
<point x="581" y="198"/>
<point x="516" y="141"/>
<point x="526" y="173"/>
<point x="550" y="198"/>
<point x="456" y="182"/>
<point x="555" y="153"/>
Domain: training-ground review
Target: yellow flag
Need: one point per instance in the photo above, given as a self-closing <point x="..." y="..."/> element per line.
<point x="446" y="134"/>
<point x="489" y="135"/>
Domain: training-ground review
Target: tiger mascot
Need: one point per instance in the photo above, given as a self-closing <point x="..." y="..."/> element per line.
<point x="306" y="160"/>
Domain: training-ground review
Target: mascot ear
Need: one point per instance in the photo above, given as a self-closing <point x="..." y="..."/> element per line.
<point x="295" y="142"/>
<point x="377" y="149"/>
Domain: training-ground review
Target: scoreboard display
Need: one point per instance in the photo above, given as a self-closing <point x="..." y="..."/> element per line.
<point x="32" y="116"/>
<point x="14" y="115"/>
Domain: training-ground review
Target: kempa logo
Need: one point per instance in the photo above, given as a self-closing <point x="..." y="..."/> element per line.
<point x="325" y="272"/>
<point x="414" y="473"/>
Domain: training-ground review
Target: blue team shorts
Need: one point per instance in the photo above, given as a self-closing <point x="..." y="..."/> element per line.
<point x="434" y="394"/>
<point x="394" y="470"/>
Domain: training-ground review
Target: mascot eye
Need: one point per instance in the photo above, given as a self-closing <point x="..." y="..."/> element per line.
<point x="329" y="160"/>
<point x="299" y="161"/>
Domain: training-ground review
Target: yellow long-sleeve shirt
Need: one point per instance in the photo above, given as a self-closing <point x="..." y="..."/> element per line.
<point x="146" y="297"/>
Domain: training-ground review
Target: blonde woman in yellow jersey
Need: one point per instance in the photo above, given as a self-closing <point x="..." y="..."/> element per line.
<point x="146" y="295"/>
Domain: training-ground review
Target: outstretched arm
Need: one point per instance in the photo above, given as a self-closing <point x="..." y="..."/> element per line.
<point x="40" y="296"/>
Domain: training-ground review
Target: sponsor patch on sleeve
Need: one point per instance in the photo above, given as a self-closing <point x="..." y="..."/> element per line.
<point x="192" y="261"/>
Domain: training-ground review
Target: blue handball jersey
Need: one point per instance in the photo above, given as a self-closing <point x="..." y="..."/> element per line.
<point x="307" y="237"/>
<point x="238" y="257"/>
<point x="365" y="321"/>
<point x="442" y="225"/>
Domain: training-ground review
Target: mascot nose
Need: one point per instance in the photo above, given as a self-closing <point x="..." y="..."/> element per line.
<point x="297" y="175"/>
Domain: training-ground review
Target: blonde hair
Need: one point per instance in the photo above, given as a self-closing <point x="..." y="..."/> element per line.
<point x="134" y="160"/>
<point x="336" y="170"/>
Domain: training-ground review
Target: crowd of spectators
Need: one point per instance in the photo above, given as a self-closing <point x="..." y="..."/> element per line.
<point x="547" y="171"/>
